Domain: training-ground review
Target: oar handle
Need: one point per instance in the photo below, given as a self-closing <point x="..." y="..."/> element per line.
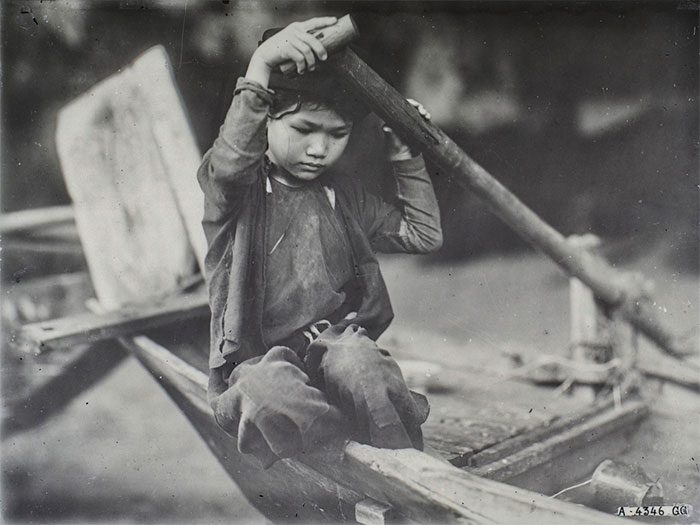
<point x="333" y="38"/>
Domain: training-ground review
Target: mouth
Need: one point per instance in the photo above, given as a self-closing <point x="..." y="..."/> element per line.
<point x="312" y="166"/>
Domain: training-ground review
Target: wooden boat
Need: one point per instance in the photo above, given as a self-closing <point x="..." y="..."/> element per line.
<point x="373" y="485"/>
<point x="492" y="462"/>
<point x="488" y="463"/>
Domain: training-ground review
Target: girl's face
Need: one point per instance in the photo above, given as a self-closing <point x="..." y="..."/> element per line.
<point x="307" y="142"/>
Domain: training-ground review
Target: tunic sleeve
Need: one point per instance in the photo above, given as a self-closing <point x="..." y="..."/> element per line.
<point x="413" y="226"/>
<point x="237" y="155"/>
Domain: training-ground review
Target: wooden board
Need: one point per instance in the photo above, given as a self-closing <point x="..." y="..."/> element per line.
<point x="90" y="328"/>
<point x="567" y="456"/>
<point x="175" y="140"/>
<point x="129" y="162"/>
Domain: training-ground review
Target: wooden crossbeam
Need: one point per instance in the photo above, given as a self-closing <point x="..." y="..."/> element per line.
<point x="34" y="218"/>
<point x="93" y="327"/>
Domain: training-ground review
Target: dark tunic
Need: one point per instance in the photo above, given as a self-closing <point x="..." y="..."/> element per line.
<point x="309" y="260"/>
<point x="233" y="177"/>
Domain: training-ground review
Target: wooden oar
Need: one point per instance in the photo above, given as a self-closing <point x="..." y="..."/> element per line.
<point x="625" y="291"/>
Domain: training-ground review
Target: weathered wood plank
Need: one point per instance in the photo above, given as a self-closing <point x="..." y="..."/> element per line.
<point x="424" y="489"/>
<point x="175" y="141"/>
<point x="576" y="437"/>
<point x="585" y="332"/>
<point x="654" y="364"/>
<point x="474" y="410"/>
<point x="537" y="434"/>
<point x="35" y="218"/>
<point x="118" y="174"/>
<point x="92" y="327"/>
<point x="370" y="512"/>
<point x="459" y="438"/>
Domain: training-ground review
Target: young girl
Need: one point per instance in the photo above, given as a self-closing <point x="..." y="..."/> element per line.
<point x="296" y="295"/>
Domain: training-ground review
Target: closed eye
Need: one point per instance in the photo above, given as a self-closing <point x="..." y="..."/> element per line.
<point x="303" y="131"/>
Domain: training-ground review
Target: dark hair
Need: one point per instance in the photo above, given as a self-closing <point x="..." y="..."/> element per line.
<point x="287" y="101"/>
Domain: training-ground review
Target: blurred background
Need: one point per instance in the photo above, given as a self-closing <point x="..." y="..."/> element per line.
<point x="587" y="111"/>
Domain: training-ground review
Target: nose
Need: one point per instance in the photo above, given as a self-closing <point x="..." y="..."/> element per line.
<point x="317" y="146"/>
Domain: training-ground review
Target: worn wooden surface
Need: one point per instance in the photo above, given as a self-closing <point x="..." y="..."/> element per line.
<point x="173" y="136"/>
<point x="120" y="148"/>
<point x="537" y="434"/>
<point x="568" y="441"/>
<point x="89" y="327"/>
<point x="289" y="491"/>
<point x="459" y="427"/>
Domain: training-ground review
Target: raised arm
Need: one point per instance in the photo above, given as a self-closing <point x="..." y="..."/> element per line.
<point x="413" y="225"/>
<point x="238" y="152"/>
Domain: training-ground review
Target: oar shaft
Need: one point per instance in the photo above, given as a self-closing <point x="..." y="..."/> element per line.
<point x="609" y="285"/>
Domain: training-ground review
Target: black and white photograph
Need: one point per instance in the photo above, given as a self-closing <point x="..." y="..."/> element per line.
<point x="372" y="261"/>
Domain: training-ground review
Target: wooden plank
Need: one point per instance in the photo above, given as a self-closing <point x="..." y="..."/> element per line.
<point x="585" y="331"/>
<point x="624" y="291"/>
<point x="44" y="246"/>
<point x="92" y="327"/>
<point x="577" y="437"/>
<point x="554" y="369"/>
<point x="175" y="141"/>
<point x="424" y="489"/>
<point x="420" y="488"/>
<point x="540" y="433"/>
<point x="35" y="218"/>
<point x="654" y="364"/>
<point x="577" y="465"/>
<point x="459" y="437"/>
<point x="117" y="173"/>
<point x="370" y="512"/>
<point x="474" y="410"/>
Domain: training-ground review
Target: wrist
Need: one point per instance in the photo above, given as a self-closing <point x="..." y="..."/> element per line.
<point x="403" y="154"/>
<point x="259" y="71"/>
